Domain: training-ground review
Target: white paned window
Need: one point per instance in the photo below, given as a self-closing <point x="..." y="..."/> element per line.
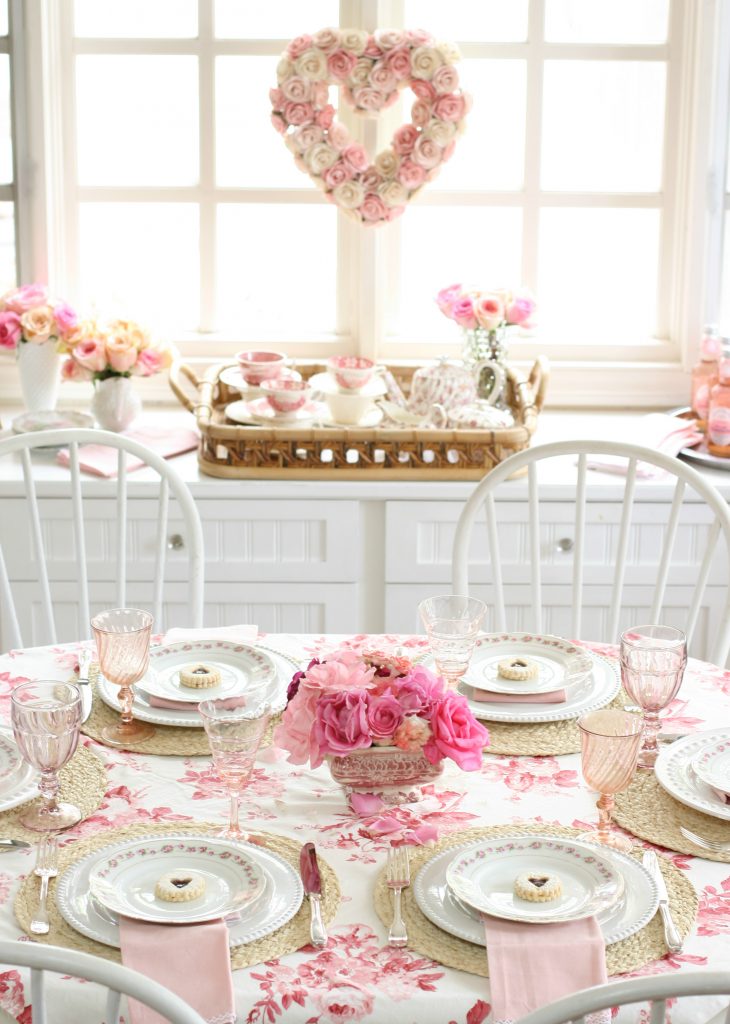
<point x="162" y="192"/>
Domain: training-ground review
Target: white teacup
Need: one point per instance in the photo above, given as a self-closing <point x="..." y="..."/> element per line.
<point x="351" y="372"/>
<point x="348" y="409"/>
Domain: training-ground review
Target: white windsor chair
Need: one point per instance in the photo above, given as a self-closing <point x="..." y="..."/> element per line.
<point x="168" y="483"/>
<point x="575" y="1008"/>
<point x="117" y="979"/>
<point x="685" y="477"/>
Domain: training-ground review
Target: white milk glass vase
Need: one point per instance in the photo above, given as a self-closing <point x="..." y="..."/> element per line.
<point x="39" y="370"/>
<point x="115" y="403"/>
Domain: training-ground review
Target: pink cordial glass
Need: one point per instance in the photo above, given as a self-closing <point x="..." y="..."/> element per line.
<point x="452" y="624"/>
<point x="46" y="715"/>
<point x="609" y="746"/>
<point x="235" y="727"/>
<point x="653" y="660"/>
<point x="123" y="645"/>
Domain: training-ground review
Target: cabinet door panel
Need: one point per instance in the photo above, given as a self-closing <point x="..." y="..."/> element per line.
<point x="284" y="608"/>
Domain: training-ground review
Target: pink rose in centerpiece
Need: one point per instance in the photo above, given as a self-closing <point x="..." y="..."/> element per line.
<point x="489" y="312"/>
<point x="66" y="318"/>
<point x="121" y="353"/>
<point x="91" y="354"/>
<point x="25" y="298"/>
<point x="340" y="725"/>
<point x="384" y="715"/>
<point x="456" y="733"/>
<point x="418" y="692"/>
<point x="10" y="329"/>
<point x="520" y="310"/>
<point x="151" y="360"/>
<point x="71" y="370"/>
<point x="447" y="297"/>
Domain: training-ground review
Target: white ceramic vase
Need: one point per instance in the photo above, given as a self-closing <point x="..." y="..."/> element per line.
<point x="115" y="403"/>
<point x="39" y="369"/>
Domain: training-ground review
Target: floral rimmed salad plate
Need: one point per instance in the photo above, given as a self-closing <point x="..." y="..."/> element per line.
<point x="18" y="781"/>
<point x="628" y="915"/>
<point x="280" y="900"/>
<point x="675" y="771"/>
<point x="242" y="668"/>
<point x="483" y="876"/>
<point x="559" y="663"/>
<point x="712" y="765"/>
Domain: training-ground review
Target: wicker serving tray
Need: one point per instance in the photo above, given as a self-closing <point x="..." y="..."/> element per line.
<point x="352" y="453"/>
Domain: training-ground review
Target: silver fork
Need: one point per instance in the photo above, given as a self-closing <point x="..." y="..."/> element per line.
<point x="399" y="877"/>
<point x="713" y="845"/>
<point x="46" y="866"/>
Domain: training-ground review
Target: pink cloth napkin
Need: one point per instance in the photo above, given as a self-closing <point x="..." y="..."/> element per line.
<point x="489" y="697"/>
<point x="165" y="441"/>
<point x="236" y="634"/>
<point x="531" y="965"/>
<point x="193" y="960"/>
<point x="657" y="430"/>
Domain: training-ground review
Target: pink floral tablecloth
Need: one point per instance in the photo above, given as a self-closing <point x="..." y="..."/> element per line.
<point x="358" y="977"/>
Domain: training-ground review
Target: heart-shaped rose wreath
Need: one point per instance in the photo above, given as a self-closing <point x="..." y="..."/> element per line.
<point x="372" y="69"/>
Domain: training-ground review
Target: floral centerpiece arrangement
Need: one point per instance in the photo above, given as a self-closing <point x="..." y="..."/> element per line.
<point x="351" y="702"/>
<point x="109" y="354"/>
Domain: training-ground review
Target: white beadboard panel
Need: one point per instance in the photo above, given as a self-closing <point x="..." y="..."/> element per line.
<point x="100" y="529"/>
<point x="281" y="540"/>
<point x="284" y="607"/>
<point x="69" y="623"/>
<point x="420" y="536"/>
<point x="401" y="616"/>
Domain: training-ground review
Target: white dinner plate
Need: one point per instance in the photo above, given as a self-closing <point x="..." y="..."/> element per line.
<point x="275" y="694"/>
<point x="593" y="691"/>
<point x="483" y="877"/>
<point x="10" y="761"/>
<point x="125" y="882"/>
<point x="559" y="663"/>
<point x="674" y="771"/>
<point x="627" y="915"/>
<point x="282" y="897"/>
<point x="712" y="766"/>
<point x="242" y="668"/>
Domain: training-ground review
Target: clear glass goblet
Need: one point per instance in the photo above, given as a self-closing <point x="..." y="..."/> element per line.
<point x="235" y="727"/>
<point x="452" y="624"/>
<point x="609" y="746"/>
<point x="123" y="644"/>
<point x="653" y="660"/>
<point x="46" y="715"/>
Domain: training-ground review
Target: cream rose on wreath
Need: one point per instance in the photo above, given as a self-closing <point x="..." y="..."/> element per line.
<point x="371" y="68"/>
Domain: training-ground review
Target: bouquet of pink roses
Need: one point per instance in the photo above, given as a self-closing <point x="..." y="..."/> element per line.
<point x="489" y="310"/>
<point x="119" y="349"/>
<point x="350" y="701"/>
<point x="29" y="316"/>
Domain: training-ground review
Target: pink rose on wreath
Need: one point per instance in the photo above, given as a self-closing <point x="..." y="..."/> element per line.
<point x="456" y="734"/>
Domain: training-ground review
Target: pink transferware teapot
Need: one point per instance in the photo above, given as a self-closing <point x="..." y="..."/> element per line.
<point x="451" y="384"/>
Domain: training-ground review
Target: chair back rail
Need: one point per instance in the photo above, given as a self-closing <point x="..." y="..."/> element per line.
<point x="686" y="480"/>
<point x="168" y="483"/>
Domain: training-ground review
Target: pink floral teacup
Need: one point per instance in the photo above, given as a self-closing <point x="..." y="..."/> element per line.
<point x="285" y="396"/>
<point x="351" y="372"/>
<point x="260" y="365"/>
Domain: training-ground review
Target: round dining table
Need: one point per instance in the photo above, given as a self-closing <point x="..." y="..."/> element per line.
<point x="358" y="977"/>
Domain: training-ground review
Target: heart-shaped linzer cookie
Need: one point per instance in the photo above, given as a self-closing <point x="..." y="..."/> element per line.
<point x="371" y="69"/>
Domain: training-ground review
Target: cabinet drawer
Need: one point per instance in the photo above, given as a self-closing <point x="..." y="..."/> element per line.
<point x="420" y="538"/>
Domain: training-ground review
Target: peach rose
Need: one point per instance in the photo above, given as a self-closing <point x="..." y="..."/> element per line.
<point x="387" y="163"/>
<point x="442" y="132"/>
<point x="389" y="38"/>
<point x="360" y="73"/>
<point x="327" y="39"/>
<point x="349" y="195"/>
<point x="489" y="311"/>
<point x="393" y="193"/>
<point x="38" y="324"/>
<point x="424" y="62"/>
<point x="121" y="353"/>
<point x="312" y="65"/>
<point x="91" y="354"/>
<point x="320" y="157"/>
<point x="284" y="70"/>
<point x="354" y="39"/>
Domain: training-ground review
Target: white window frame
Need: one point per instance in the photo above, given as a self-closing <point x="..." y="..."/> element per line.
<point x="582" y="376"/>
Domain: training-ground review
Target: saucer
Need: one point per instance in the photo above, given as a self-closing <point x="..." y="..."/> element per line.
<point x="326" y="383"/>
<point x="370" y="419"/>
<point x="233" y="377"/>
<point x="259" y="411"/>
<point x="51" y="420"/>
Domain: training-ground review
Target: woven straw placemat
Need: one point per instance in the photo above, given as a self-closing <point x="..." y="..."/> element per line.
<point x="540" y="738"/>
<point x="646" y="810"/>
<point x="626" y="955"/>
<point x="83" y="782"/>
<point x="290" y="937"/>
<point x="173" y="740"/>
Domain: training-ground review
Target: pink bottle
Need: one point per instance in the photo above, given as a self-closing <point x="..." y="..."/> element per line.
<point x="718" y="421"/>
<point x="704" y="373"/>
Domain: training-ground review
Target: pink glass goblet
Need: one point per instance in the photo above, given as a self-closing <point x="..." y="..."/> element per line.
<point x="123" y="644"/>
<point x="452" y="624"/>
<point x="46" y="715"/>
<point x="653" y="659"/>
<point x="235" y="727"/>
<point x="609" y="746"/>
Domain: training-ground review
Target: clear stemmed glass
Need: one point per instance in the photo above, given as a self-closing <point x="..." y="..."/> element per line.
<point x="123" y="644"/>
<point x="609" y="746"/>
<point x="46" y="715"/>
<point x="452" y="624"/>
<point x="235" y="728"/>
<point x="653" y="659"/>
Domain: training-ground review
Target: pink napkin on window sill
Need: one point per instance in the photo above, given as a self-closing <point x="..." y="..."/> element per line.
<point x="193" y="960"/>
<point x="531" y="965"/>
<point x="165" y="441"/>
<point x="489" y="697"/>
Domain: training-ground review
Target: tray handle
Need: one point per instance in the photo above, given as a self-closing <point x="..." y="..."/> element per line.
<point x="539" y="375"/>
<point x="178" y="370"/>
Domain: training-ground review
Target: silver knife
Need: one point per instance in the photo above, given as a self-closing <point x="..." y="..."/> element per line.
<point x="309" y="870"/>
<point x="671" y="935"/>
<point x="84" y="685"/>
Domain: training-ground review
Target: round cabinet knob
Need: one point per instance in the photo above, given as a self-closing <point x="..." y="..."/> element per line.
<point x="175" y="542"/>
<point x="564" y="545"/>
